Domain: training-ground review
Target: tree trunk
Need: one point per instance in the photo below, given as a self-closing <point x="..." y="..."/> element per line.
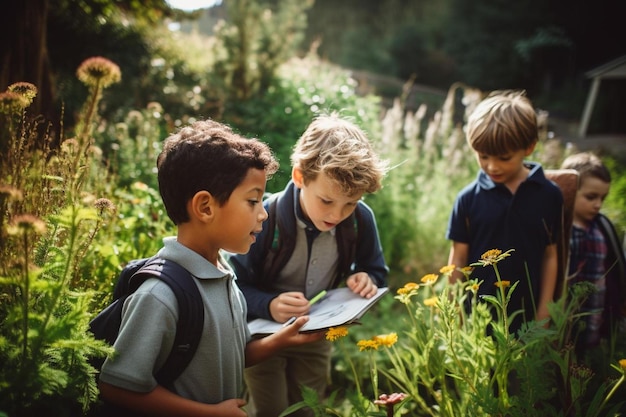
<point x="24" y="52"/>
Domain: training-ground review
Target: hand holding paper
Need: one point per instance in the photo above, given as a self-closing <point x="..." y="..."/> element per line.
<point x="340" y="307"/>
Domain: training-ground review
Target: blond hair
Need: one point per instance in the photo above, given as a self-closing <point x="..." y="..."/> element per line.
<point x="503" y="122"/>
<point x="341" y="150"/>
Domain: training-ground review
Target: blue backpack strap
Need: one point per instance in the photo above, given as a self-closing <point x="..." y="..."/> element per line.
<point x="190" y="313"/>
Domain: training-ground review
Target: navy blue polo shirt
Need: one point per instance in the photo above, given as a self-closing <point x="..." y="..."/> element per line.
<point x="488" y="216"/>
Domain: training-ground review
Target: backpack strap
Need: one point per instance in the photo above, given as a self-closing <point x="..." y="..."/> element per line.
<point x="347" y="238"/>
<point x="615" y="249"/>
<point x="278" y="244"/>
<point x="190" y="314"/>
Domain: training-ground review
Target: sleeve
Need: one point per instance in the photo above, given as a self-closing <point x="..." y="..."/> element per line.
<point x="458" y="223"/>
<point x="369" y="252"/>
<point x="145" y="339"/>
<point x="249" y="270"/>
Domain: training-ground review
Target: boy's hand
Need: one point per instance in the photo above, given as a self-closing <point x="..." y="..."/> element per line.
<point x="230" y="408"/>
<point x="291" y="334"/>
<point x="361" y="283"/>
<point x="288" y="305"/>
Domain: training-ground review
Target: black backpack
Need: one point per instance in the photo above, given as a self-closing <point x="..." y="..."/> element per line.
<point x="105" y="326"/>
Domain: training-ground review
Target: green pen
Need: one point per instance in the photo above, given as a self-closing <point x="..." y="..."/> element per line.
<point x="317" y="297"/>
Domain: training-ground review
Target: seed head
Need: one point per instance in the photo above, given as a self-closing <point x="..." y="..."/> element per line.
<point x="26" y="90"/>
<point x="99" y="71"/>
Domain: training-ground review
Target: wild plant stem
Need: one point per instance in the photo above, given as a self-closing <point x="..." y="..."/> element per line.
<point x="610" y="394"/>
<point x="25" y="301"/>
<point x="73" y="224"/>
<point x="356" y="376"/>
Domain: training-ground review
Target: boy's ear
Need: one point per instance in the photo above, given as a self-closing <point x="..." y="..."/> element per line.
<point x="297" y="177"/>
<point x="201" y="206"/>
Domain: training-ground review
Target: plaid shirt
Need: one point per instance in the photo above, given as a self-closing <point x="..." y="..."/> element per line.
<point x="588" y="251"/>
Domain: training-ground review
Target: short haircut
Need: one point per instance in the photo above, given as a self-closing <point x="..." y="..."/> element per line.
<point x="341" y="150"/>
<point x="588" y="165"/>
<point x="503" y="122"/>
<point x="207" y="156"/>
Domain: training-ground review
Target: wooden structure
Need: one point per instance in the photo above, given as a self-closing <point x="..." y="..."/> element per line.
<point x="615" y="69"/>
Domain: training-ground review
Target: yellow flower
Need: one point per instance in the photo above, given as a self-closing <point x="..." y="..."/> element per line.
<point x="447" y="270"/>
<point x="405" y="293"/>
<point x="386" y="340"/>
<point x="408" y="287"/>
<point x="431" y="302"/>
<point x="99" y="71"/>
<point x="335" y="333"/>
<point x="370" y="344"/>
<point x="492" y="257"/>
<point x="429" y="279"/>
<point x="467" y="271"/>
<point x="502" y="284"/>
<point x="622" y="363"/>
<point x="473" y="286"/>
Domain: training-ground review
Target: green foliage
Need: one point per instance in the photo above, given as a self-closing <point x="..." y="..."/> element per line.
<point x="302" y="89"/>
<point x="49" y="220"/>
<point x="615" y="203"/>
<point x="452" y="363"/>
<point x="432" y="163"/>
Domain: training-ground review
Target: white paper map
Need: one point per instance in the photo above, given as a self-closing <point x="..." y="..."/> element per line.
<point x="339" y="307"/>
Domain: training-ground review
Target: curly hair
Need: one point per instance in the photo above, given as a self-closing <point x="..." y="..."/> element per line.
<point x="207" y="156"/>
<point x="341" y="150"/>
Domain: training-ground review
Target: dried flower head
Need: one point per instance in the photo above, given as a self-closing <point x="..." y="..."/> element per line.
<point x="70" y="145"/>
<point x="502" y="284"/>
<point x="104" y="205"/>
<point x="386" y="340"/>
<point x="335" y="333"/>
<point x="154" y="107"/>
<point x="622" y="364"/>
<point x="25" y="223"/>
<point x="581" y="371"/>
<point x="11" y="193"/>
<point x="26" y="90"/>
<point x="11" y="102"/>
<point x="98" y="71"/>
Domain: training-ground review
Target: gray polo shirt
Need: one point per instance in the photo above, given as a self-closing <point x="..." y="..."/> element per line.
<point x="148" y="326"/>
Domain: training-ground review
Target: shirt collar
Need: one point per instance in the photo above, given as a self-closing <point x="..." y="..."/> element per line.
<point x="192" y="261"/>
<point x="534" y="175"/>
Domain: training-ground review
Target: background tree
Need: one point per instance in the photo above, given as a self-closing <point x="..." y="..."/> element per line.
<point x="44" y="41"/>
